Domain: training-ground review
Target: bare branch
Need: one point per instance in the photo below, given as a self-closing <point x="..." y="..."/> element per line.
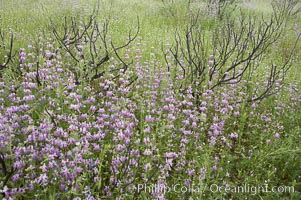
<point x="9" y="55"/>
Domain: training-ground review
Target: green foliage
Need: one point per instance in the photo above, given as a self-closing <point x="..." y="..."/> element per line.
<point x="256" y="157"/>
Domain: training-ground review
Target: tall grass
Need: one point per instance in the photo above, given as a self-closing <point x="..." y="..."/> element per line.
<point x="105" y="138"/>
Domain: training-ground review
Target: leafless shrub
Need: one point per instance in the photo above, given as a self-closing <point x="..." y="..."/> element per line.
<point x="235" y="47"/>
<point x="88" y="44"/>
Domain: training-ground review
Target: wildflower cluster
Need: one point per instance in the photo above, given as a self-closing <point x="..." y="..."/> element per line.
<point x="61" y="138"/>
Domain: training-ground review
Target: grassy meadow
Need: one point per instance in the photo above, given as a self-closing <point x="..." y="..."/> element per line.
<point x="150" y="99"/>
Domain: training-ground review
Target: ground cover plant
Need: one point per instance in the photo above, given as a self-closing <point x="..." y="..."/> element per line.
<point x="150" y="99"/>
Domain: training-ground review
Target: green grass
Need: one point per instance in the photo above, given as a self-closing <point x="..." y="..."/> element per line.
<point x="253" y="160"/>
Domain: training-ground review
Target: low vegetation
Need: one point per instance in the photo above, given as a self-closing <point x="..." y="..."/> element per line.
<point x="150" y="99"/>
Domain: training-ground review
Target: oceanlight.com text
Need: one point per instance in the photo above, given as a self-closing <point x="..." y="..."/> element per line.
<point x="214" y="188"/>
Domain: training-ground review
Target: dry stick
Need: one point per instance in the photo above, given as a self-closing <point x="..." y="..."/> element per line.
<point x="10" y="54"/>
